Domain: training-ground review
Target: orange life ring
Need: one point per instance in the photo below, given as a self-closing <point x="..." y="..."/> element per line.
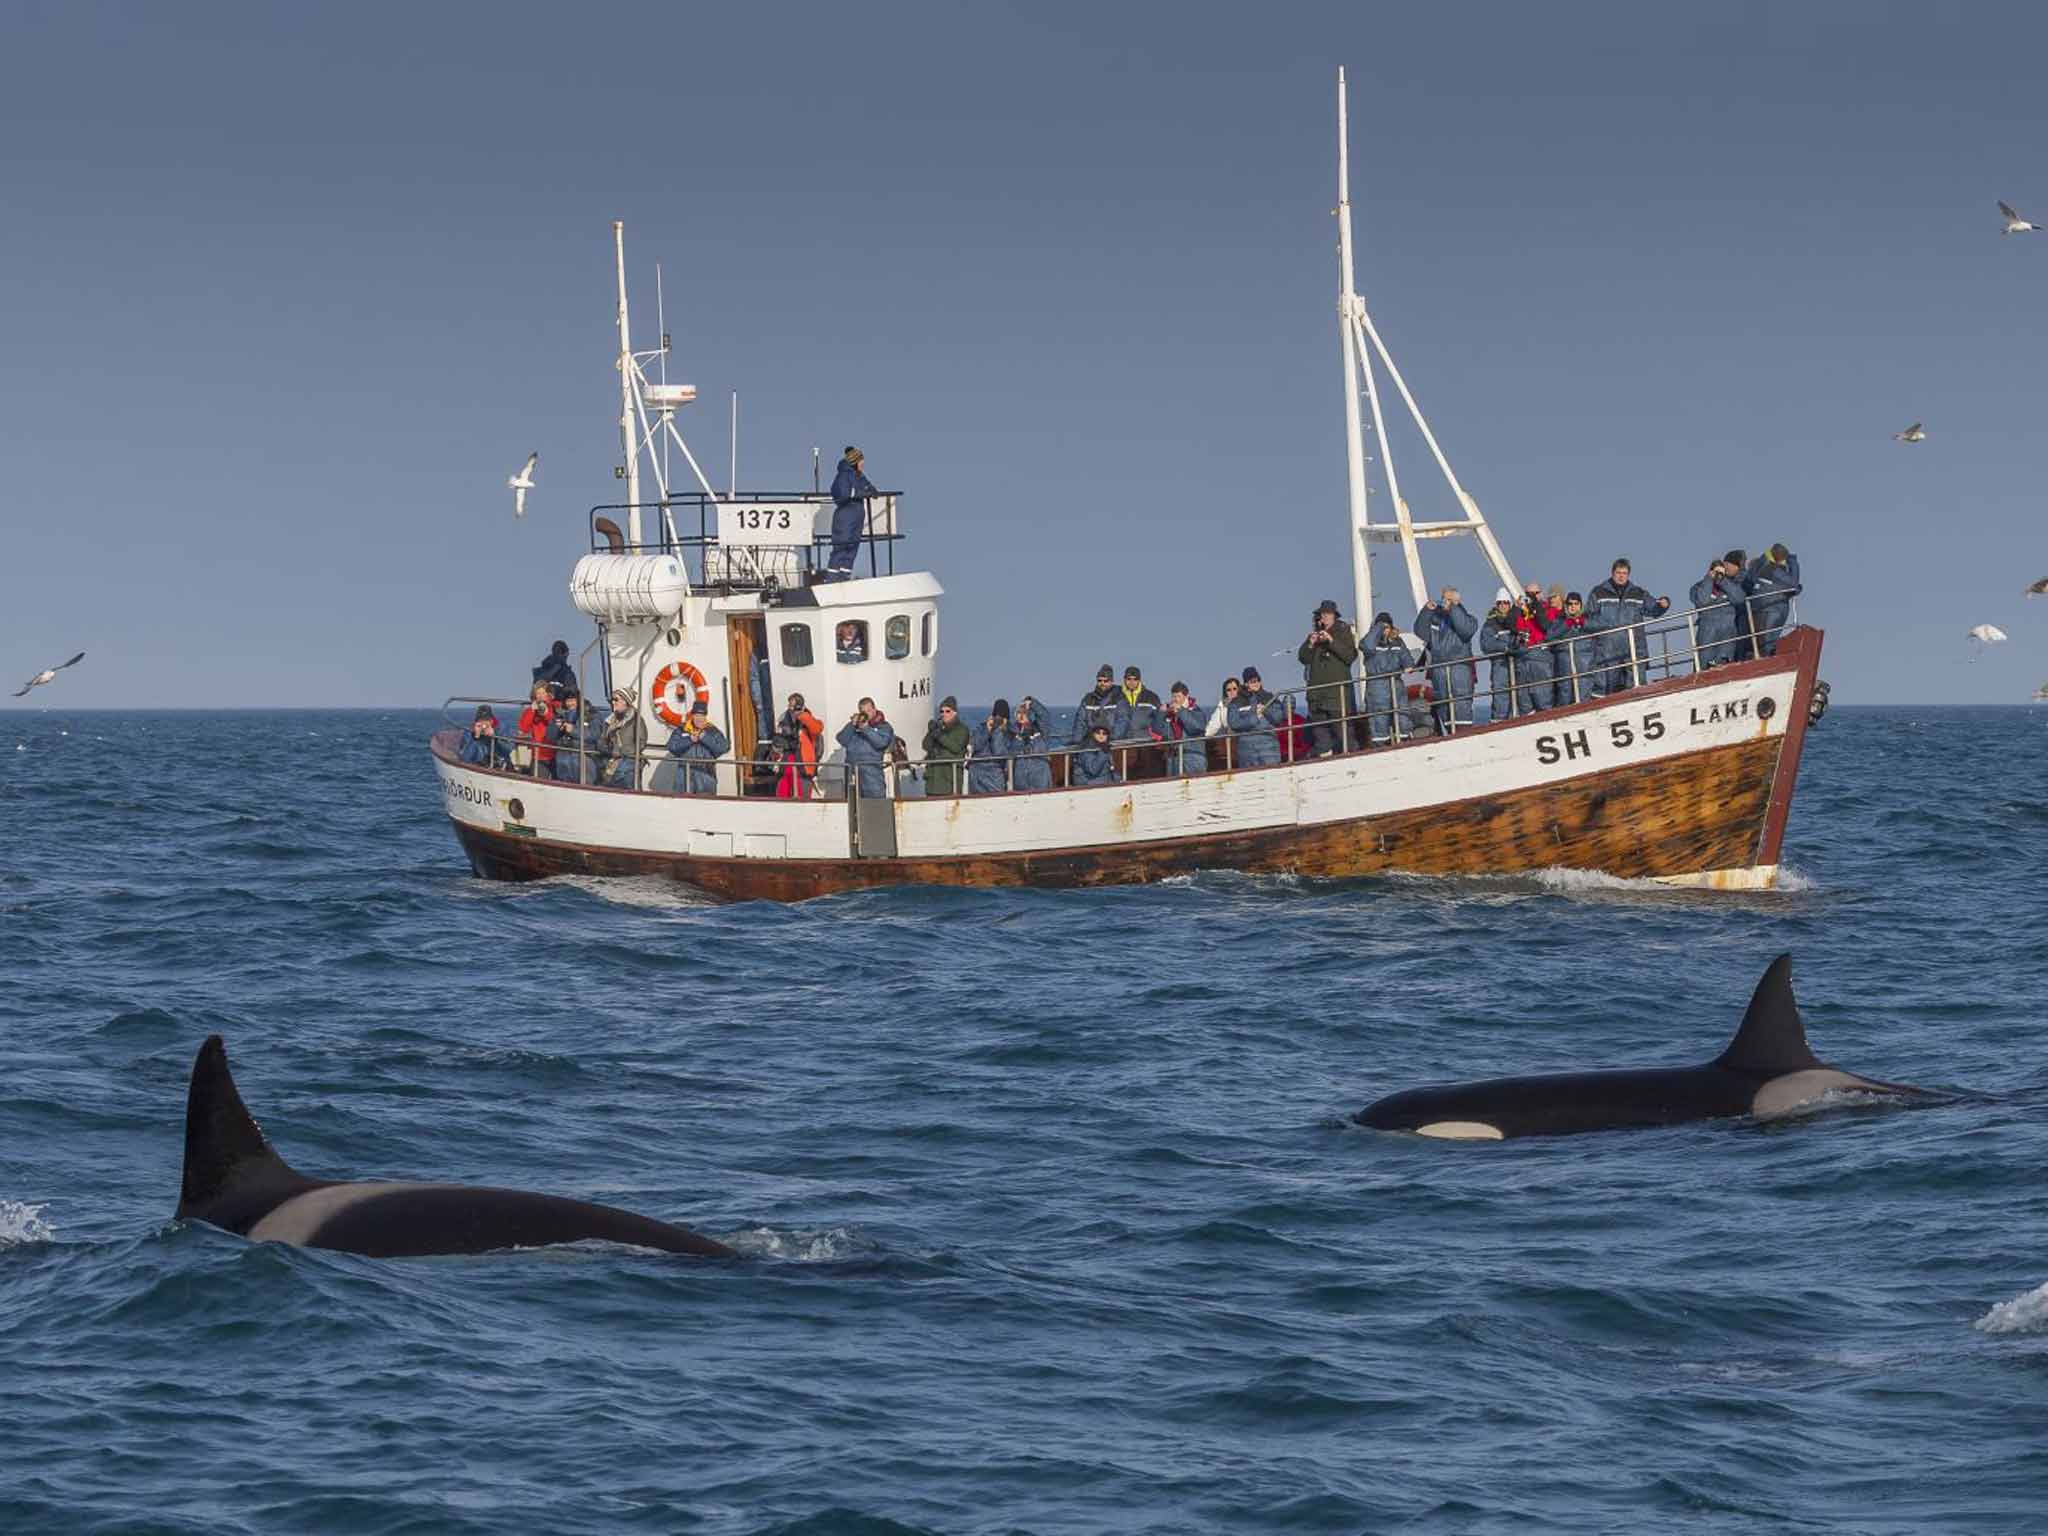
<point x="667" y="678"/>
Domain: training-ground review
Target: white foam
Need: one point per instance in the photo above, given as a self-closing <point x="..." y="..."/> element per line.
<point x="2020" y="1315"/>
<point x="644" y="891"/>
<point x="21" y="1223"/>
<point x="801" y="1247"/>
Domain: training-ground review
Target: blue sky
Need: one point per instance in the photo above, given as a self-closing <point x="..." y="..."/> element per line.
<point x="290" y="292"/>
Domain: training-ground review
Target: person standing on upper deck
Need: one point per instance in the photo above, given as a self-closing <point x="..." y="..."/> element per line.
<point x="697" y="744"/>
<point x="1446" y="629"/>
<point x="866" y="740"/>
<point x="1720" y="600"/>
<point x="850" y="492"/>
<point x="555" y="671"/>
<point x="1104" y="706"/>
<point x="1326" y="657"/>
<point x="1616" y="609"/>
<point x="1773" y="580"/>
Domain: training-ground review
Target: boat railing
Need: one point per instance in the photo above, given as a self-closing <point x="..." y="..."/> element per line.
<point x="687" y="525"/>
<point x="1409" y="710"/>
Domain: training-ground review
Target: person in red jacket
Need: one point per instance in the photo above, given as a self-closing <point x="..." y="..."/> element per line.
<point x="801" y="731"/>
<point x="534" y="721"/>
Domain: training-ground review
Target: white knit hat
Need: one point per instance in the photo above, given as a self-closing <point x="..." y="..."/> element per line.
<point x="1503" y="596"/>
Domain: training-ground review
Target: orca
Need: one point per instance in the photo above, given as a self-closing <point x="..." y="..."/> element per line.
<point x="1767" y="1069"/>
<point x="236" y="1181"/>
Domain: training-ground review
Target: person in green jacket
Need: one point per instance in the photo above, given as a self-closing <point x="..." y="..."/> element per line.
<point x="1326" y="656"/>
<point x="945" y="749"/>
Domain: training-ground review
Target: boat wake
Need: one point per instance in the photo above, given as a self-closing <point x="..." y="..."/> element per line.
<point x="2023" y="1314"/>
<point x="798" y="1246"/>
<point x="21" y="1223"/>
<point x="646" y="892"/>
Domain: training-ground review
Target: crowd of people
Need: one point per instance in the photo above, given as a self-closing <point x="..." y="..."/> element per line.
<point x="1545" y="649"/>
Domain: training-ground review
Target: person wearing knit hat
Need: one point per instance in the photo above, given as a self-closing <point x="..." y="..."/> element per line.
<point x="987" y="745"/>
<point x="1446" y="628"/>
<point x="1720" y="601"/>
<point x="621" y="740"/>
<point x="1139" y="716"/>
<point x="802" y="735"/>
<point x="1104" y="703"/>
<point x="554" y="669"/>
<point x="946" y="741"/>
<point x="1093" y="763"/>
<point x="1187" y="746"/>
<point x="1386" y="658"/>
<point x="1252" y="718"/>
<point x="850" y="492"/>
<point x="1501" y="639"/>
<point x="1773" y="583"/>
<point x="481" y="744"/>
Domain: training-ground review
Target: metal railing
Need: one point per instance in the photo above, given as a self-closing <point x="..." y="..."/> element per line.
<point x="1404" y="716"/>
<point x="767" y="565"/>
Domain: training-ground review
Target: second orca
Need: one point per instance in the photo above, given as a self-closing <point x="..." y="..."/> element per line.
<point x="1767" y="1069"/>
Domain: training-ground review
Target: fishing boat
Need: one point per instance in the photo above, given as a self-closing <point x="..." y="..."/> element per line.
<point x="725" y="599"/>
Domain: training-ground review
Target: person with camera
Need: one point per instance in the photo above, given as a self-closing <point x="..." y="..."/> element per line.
<point x="533" y="754"/>
<point x="1253" y="717"/>
<point x="1326" y="658"/>
<point x="851" y="489"/>
<point x="1025" y="747"/>
<point x="798" y="732"/>
<point x="480" y="744"/>
<point x="570" y="730"/>
<point x="865" y="740"/>
<point x="946" y="740"/>
<point x="1386" y="658"/>
<point x="1773" y="583"/>
<point x="621" y="742"/>
<point x="1536" y="667"/>
<point x="697" y="745"/>
<point x="1093" y="763"/>
<point x="1501" y="639"/>
<point x="988" y="766"/>
<point x="1572" y="643"/>
<point x="1616" y="610"/>
<point x="1445" y="629"/>
<point x="1720" y="601"/>
<point x="1187" y="734"/>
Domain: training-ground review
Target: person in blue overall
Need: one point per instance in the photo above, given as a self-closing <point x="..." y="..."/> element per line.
<point x="866" y="740"/>
<point x="481" y="744"/>
<point x="1720" y="600"/>
<point x="1187" y="741"/>
<point x="1093" y="763"/>
<point x="1025" y="747"/>
<point x="697" y="744"/>
<point x="850" y="491"/>
<point x="1773" y="580"/>
<point x="988" y="768"/>
<point x="1252" y="715"/>
<point x="1574" y="637"/>
<point x="1502" y="640"/>
<point x="1445" y="629"/>
<point x="1386" y="658"/>
<point x="1104" y="706"/>
<point x="1617" y="608"/>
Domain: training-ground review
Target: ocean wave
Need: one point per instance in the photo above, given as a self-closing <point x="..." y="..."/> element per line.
<point x="22" y="1223"/>
<point x="799" y="1246"/>
<point x="2022" y="1314"/>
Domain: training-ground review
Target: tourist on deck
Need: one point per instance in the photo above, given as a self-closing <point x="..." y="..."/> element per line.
<point x="621" y="739"/>
<point x="1326" y="657"/>
<point x="697" y="744"/>
<point x="1219" y="717"/>
<point x="946" y="740"/>
<point x="1446" y="629"/>
<point x="909" y="777"/>
<point x="866" y="739"/>
<point x="1187" y="733"/>
<point x="850" y="641"/>
<point x="802" y="733"/>
<point x="533" y="754"/>
<point x="1026" y="747"/>
<point x="1720" y="603"/>
<point x="480" y="743"/>
<point x="1386" y="658"/>
<point x="1574" y="662"/>
<point x="1093" y="763"/>
<point x="555" y="671"/>
<point x="1536" y="667"/>
<point x="1104" y="704"/>
<point x="1141" y="717"/>
<point x="850" y="491"/>
<point x="988" y="745"/>
<point x="570" y="730"/>
<point x="1500" y="639"/>
<point x="1252" y="716"/>
<point x="1773" y="581"/>
<point x="1615" y="610"/>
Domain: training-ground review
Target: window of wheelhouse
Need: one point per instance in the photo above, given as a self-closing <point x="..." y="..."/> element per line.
<point x="850" y="640"/>
<point x="796" y="645"/>
<point x="930" y="622"/>
<point x="896" y="638"/>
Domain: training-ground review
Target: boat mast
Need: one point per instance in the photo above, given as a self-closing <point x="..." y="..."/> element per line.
<point x="1361" y="342"/>
<point x="628" y="437"/>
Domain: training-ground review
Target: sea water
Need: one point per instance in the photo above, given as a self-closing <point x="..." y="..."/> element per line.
<point x="1052" y="1214"/>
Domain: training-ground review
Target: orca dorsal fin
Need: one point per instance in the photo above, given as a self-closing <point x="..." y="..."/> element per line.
<point x="225" y="1150"/>
<point x="1772" y="1039"/>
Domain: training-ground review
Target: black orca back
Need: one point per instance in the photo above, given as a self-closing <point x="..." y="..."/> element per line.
<point x="232" y="1176"/>
<point x="1772" y="1039"/>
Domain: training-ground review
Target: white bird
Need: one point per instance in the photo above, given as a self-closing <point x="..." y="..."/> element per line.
<point x="48" y="674"/>
<point x="1985" y="635"/>
<point x="2038" y="588"/>
<point x="1912" y="434"/>
<point x="521" y="483"/>
<point x="2014" y="224"/>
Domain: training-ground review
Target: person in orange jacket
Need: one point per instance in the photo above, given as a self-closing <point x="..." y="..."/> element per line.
<point x="798" y="732"/>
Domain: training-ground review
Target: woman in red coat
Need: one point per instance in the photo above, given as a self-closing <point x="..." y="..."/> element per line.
<point x="533" y="731"/>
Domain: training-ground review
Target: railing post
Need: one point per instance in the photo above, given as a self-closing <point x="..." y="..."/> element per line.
<point x="1632" y="677"/>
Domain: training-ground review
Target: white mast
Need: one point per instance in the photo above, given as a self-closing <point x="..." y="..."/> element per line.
<point x="1361" y="341"/>
<point x="628" y="436"/>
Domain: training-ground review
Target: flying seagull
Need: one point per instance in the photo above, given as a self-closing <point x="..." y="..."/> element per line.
<point x="2014" y="224"/>
<point x="1913" y="434"/>
<point x="521" y="483"/>
<point x="48" y="675"/>
<point x="2038" y="588"/>
<point x="1986" y="635"/>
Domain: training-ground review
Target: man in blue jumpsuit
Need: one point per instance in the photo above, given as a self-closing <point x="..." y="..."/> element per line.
<point x="850" y="490"/>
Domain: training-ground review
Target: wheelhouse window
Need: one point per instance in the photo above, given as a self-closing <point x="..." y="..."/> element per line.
<point x="929" y="620"/>
<point x="850" y="640"/>
<point x="796" y="645"/>
<point x="896" y="638"/>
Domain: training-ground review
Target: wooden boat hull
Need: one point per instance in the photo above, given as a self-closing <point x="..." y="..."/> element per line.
<point x="1707" y="814"/>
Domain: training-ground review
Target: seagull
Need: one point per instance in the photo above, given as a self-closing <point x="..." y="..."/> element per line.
<point x="521" y="483"/>
<point x="48" y="675"/>
<point x="2038" y="588"/>
<point x="1986" y="635"/>
<point x="1913" y="434"/>
<point x="2014" y="224"/>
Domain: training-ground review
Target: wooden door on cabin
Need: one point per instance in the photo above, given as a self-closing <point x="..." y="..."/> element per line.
<point x="747" y="649"/>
